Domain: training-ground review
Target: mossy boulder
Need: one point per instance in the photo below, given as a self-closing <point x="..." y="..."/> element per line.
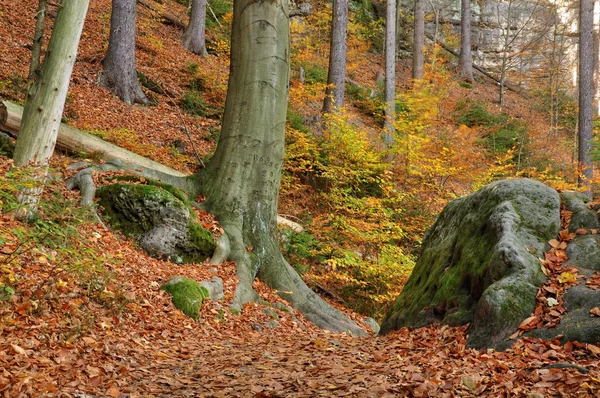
<point x="584" y="253"/>
<point x="479" y="262"/>
<point x="188" y="295"/>
<point x="7" y="146"/>
<point x="163" y="224"/>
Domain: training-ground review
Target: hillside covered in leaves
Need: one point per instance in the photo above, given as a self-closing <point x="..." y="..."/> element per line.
<point x="81" y="311"/>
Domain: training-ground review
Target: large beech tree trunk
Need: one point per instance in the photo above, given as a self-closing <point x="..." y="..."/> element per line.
<point x="336" y="77"/>
<point x="466" y="60"/>
<point x="194" y="38"/>
<point x="241" y="183"/>
<point x="119" y="74"/>
<point x="586" y="95"/>
<point x="46" y="97"/>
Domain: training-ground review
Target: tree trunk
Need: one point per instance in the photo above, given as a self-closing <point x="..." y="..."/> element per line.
<point x="586" y="25"/>
<point x="466" y="60"/>
<point x="241" y="183"/>
<point x="390" y="72"/>
<point x="336" y="76"/>
<point x="46" y="98"/>
<point x="119" y="75"/>
<point x="419" y="40"/>
<point x="194" y="38"/>
<point x="38" y="37"/>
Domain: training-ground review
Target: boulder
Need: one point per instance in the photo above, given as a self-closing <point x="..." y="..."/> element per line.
<point x="7" y="146"/>
<point x="161" y="221"/>
<point x="187" y="295"/>
<point x="479" y="262"/>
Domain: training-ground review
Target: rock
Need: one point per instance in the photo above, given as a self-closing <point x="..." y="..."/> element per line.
<point x="272" y="324"/>
<point x="160" y="219"/>
<point x="479" y="262"/>
<point x="7" y="146"/>
<point x="187" y="295"/>
<point x="582" y="216"/>
<point x="214" y="288"/>
<point x="372" y="323"/>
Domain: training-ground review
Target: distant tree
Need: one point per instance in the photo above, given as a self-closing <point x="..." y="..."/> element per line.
<point x="194" y="38"/>
<point x="38" y="36"/>
<point x="419" y="40"/>
<point x="336" y="76"/>
<point x="119" y="74"/>
<point x="586" y="95"/>
<point x="390" y="71"/>
<point x="465" y="63"/>
<point x="46" y="98"/>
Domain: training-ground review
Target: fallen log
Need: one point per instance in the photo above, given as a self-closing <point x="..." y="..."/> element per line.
<point x="76" y="141"/>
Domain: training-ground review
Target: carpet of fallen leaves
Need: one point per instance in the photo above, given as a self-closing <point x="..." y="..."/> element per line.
<point x="60" y="337"/>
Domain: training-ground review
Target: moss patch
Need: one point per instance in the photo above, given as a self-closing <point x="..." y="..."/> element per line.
<point x="187" y="295"/>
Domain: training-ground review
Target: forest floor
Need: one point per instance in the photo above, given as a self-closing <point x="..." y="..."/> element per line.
<point x="108" y="330"/>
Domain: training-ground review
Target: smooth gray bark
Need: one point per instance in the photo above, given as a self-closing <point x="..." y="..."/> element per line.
<point x="38" y="37"/>
<point x="465" y="63"/>
<point x="242" y="180"/>
<point x="194" y="38"/>
<point x="586" y="95"/>
<point x="419" y="40"/>
<point x="46" y="98"/>
<point x="390" y="72"/>
<point x="336" y="76"/>
<point x="119" y="74"/>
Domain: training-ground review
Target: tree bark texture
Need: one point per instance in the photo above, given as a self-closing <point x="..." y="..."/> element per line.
<point x="194" y="38"/>
<point x="38" y="37"/>
<point x="242" y="180"/>
<point x="46" y="97"/>
<point x="419" y="40"/>
<point x="336" y="76"/>
<point x="390" y="72"/>
<point x="466" y="60"/>
<point x="586" y="94"/>
<point x="119" y="74"/>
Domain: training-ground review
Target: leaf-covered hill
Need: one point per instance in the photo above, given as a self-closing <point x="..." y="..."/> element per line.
<point x="81" y="312"/>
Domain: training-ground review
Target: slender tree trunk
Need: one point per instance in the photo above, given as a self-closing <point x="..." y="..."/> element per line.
<point x="419" y="40"/>
<point x="586" y="26"/>
<point x="46" y="98"/>
<point x="390" y="72"/>
<point x="194" y="38"/>
<point x="336" y="76"/>
<point x="119" y="74"/>
<point x="466" y="60"/>
<point x="241" y="182"/>
<point x="596" y="56"/>
<point x="38" y="38"/>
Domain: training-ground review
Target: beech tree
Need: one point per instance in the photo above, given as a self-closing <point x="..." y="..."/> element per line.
<point x="390" y="71"/>
<point x="119" y="74"/>
<point x="336" y="76"/>
<point x="46" y="97"/>
<point x="194" y="38"/>
<point x="241" y="182"/>
<point x="586" y="94"/>
<point x="38" y="37"/>
<point x="465" y="63"/>
<point x="419" y="40"/>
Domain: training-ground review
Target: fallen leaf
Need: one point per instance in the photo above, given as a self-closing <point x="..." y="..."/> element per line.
<point x="595" y="311"/>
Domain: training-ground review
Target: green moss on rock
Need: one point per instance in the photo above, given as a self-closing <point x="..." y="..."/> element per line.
<point x="477" y="242"/>
<point x="164" y="224"/>
<point x="187" y="295"/>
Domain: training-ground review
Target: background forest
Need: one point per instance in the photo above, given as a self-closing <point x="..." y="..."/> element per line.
<point x="364" y="191"/>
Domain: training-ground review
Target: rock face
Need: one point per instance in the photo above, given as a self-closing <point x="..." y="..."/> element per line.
<point x="479" y="262"/>
<point x="163" y="224"/>
<point x="584" y="253"/>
